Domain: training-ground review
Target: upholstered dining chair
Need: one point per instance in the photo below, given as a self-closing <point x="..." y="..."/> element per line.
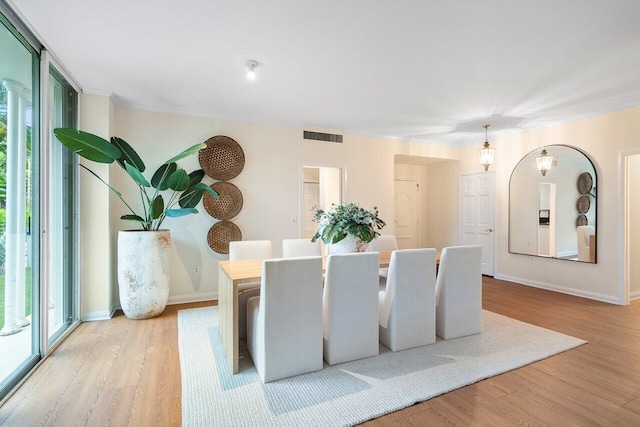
<point x="406" y="307"/>
<point x="584" y="242"/>
<point x="248" y="249"/>
<point x="383" y="243"/>
<point x="459" y="292"/>
<point x="300" y="247"/>
<point x="350" y="307"/>
<point x="285" y="322"/>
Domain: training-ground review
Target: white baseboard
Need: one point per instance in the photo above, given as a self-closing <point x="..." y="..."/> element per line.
<point x="634" y="295"/>
<point x="182" y="299"/>
<point x="96" y="315"/>
<point x="562" y="289"/>
<point x="567" y="254"/>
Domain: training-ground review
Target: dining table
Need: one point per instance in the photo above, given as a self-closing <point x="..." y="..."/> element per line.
<point x="230" y="275"/>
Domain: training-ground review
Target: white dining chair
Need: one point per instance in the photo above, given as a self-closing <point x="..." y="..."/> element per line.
<point x="406" y="307"/>
<point x="383" y="243"/>
<point x="459" y="292"/>
<point x="300" y="247"/>
<point x="285" y="322"/>
<point x="584" y="242"/>
<point x="350" y="307"/>
<point x="248" y="249"/>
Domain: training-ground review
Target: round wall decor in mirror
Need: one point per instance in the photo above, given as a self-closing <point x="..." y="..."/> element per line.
<point x="582" y="220"/>
<point x="583" y="204"/>
<point x="585" y="183"/>
<point x="228" y="205"/>
<point x="542" y="209"/>
<point x="222" y="159"/>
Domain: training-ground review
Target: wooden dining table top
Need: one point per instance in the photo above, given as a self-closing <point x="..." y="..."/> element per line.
<point x="250" y="269"/>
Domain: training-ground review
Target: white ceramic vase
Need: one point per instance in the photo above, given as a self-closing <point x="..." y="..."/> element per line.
<point x="349" y="244"/>
<point x="143" y="272"/>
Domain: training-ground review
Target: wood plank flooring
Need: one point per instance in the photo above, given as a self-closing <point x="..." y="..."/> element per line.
<point x="124" y="372"/>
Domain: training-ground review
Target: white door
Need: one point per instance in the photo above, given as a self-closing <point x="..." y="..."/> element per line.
<point x="406" y="214"/>
<point x="477" y="214"/>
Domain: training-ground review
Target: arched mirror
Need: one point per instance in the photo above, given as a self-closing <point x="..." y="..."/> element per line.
<point x="553" y="205"/>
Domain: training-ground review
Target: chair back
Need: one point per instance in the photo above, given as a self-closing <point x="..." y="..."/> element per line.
<point x="250" y="249"/>
<point x="459" y="292"/>
<point x="291" y="316"/>
<point x="584" y="244"/>
<point x="292" y="248"/>
<point x="407" y="307"/>
<point x="383" y="243"/>
<point x="350" y="301"/>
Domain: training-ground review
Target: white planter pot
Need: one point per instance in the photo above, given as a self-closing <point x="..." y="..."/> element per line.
<point x="349" y="244"/>
<point x="143" y="272"/>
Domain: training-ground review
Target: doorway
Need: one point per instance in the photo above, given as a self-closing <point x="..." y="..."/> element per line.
<point x="435" y="190"/>
<point x="631" y="174"/>
<point x="406" y="214"/>
<point x="321" y="186"/>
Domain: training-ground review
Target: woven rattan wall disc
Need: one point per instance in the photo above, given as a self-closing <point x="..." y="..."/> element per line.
<point x="220" y="234"/>
<point x="585" y="183"/>
<point x="582" y="220"/>
<point x="222" y="159"/>
<point x="583" y="204"/>
<point x="228" y="205"/>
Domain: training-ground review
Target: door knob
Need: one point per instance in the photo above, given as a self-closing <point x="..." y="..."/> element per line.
<point x="490" y="230"/>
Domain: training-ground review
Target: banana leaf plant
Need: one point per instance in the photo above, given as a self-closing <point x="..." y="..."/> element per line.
<point x="186" y="189"/>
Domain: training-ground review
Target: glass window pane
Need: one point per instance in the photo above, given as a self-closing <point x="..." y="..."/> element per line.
<point x="18" y="249"/>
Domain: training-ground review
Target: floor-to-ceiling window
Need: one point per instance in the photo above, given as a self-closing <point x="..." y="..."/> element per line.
<point x="37" y="206"/>
<point x="62" y="211"/>
<point x="19" y="300"/>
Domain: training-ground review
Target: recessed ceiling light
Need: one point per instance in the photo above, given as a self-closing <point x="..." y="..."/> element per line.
<point x="252" y="64"/>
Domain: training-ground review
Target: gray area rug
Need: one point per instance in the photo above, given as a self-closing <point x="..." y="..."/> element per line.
<point x="352" y="392"/>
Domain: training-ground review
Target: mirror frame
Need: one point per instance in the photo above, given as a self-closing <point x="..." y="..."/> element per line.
<point x="595" y="191"/>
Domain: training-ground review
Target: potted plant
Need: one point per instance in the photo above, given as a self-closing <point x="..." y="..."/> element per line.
<point x="144" y="254"/>
<point x="347" y="227"/>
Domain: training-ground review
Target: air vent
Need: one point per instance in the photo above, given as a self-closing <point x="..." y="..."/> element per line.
<point x="321" y="136"/>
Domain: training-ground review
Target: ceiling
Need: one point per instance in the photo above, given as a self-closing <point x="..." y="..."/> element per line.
<point x="431" y="71"/>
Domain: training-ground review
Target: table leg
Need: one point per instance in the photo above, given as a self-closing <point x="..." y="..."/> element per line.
<point x="228" y="318"/>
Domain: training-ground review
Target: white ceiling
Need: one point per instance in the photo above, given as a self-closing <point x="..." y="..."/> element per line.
<point x="421" y="70"/>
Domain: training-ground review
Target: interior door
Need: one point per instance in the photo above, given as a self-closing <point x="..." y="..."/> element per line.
<point x="477" y="201"/>
<point x="406" y="214"/>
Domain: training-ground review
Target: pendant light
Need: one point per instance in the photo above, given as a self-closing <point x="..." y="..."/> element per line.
<point x="544" y="162"/>
<point x="486" y="153"/>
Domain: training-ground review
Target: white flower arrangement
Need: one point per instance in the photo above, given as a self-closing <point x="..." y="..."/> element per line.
<point x="347" y="218"/>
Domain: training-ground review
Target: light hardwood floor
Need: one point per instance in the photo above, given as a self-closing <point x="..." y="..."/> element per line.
<point x="124" y="372"/>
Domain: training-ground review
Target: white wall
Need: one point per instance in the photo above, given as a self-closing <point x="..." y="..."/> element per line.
<point x="97" y="273"/>
<point x="601" y="138"/>
<point x="270" y="187"/>
<point x="269" y="182"/>
<point x="330" y="183"/>
<point x="442" y="204"/>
